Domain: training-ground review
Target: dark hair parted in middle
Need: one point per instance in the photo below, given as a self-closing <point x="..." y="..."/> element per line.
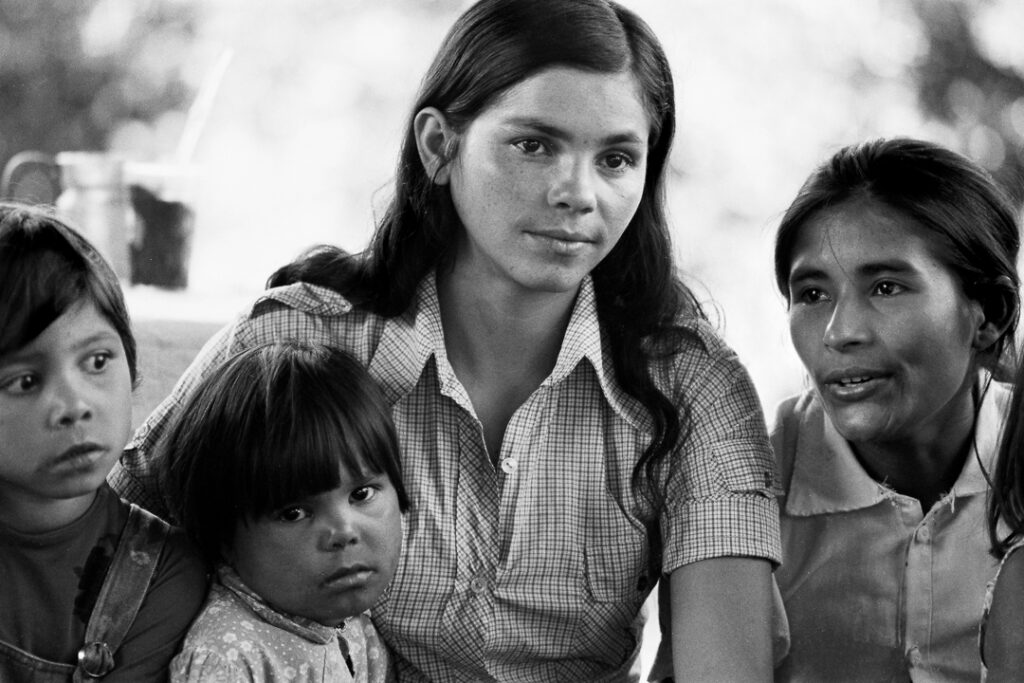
<point x="270" y="426"/>
<point x="493" y="46"/>
<point x="971" y="219"/>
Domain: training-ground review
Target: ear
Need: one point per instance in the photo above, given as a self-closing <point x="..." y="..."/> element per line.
<point x="434" y="140"/>
<point x="992" y="318"/>
<point x="986" y="335"/>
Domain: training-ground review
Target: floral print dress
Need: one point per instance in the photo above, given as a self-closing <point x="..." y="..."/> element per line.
<point x="239" y="637"/>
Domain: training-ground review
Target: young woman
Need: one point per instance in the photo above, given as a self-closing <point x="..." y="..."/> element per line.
<point x="571" y="427"/>
<point x="897" y="259"/>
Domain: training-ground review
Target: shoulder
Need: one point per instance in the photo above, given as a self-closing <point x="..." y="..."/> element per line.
<point x="177" y="590"/>
<point x="796" y="411"/>
<point x="219" y="642"/>
<point x="303" y="297"/>
<point x="696" y="357"/>
<point x="1003" y="627"/>
<point x="794" y="416"/>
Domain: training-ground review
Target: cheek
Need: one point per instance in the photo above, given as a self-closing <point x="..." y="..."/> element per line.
<point x="806" y="333"/>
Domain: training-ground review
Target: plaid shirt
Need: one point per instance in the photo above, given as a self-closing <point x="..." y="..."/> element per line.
<point x="533" y="566"/>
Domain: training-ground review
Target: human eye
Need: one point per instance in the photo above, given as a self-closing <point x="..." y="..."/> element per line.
<point x="618" y="161"/>
<point x="888" y="288"/>
<point x="96" y="363"/>
<point x="810" y="295"/>
<point x="292" y="513"/>
<point x="531" y="147"/>
<point x="364" y="494"/>
<point x="21" y="383"/>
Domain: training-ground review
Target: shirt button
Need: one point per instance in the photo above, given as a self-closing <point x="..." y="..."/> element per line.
<point x="924" y="534"/>
<point x="509" y="465"/>
<point x="478" y="585"/>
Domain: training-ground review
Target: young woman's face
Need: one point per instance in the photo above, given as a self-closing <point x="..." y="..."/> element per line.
<point x="548" y="177"/>
<point x="65" y="409"/>
<point x="327" y="557"/>
<point x="883" y="328"/>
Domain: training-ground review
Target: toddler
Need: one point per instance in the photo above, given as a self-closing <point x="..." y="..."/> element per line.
<point x="283" y="467"/>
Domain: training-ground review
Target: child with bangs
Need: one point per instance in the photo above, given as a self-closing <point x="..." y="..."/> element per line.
<point x="90" y="586"/>
<point x="284" y="469"/>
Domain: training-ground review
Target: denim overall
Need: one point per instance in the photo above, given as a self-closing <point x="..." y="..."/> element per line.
<point x="124" y="588"/>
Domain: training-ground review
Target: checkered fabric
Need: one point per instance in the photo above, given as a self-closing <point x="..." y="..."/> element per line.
<point x="532" y="565"/>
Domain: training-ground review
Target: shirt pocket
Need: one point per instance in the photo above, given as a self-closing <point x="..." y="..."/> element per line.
<point x="616" y="555"/>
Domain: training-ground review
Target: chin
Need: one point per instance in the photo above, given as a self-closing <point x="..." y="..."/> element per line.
<point x="857" y="426"/>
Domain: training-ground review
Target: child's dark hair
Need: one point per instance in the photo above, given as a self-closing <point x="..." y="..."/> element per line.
<point x="46" y="268"/>
<point x="268" y="427"/>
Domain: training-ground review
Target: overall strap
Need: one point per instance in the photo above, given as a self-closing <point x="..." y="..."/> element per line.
<point x="123" y="591"/>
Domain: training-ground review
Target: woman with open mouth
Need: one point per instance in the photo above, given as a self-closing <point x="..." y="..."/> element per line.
<point x="897" y="261"/>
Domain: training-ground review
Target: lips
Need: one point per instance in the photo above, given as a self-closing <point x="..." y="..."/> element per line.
<point x="563" y="235"/>
<point x="853" y="384"/>
<point x="79" y="453"/>
<point x="352" y="575"/>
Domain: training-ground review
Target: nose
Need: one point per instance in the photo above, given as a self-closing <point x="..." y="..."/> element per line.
<point x="848" y="325"/>
<point x="573" y="186"/>
<point x="69" y="403"/>
<point x="339" y="527"/>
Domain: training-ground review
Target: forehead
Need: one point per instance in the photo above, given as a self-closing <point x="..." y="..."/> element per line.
<point x="587" y="103"/>
<point x="860" y="234"/>
<point x="80" y="324"/>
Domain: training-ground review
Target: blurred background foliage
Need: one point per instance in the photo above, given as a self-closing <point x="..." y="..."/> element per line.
<point x="305" y="126"/>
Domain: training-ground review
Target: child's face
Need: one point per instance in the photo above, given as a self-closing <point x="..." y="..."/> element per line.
<point x="326" y="557"/>
<point x="65" y="412"/>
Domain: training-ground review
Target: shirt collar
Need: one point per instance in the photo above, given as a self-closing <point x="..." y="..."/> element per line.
<point x="828" y="478"/>
<point x="410" y="340"/>
<point x="308" y="629"/>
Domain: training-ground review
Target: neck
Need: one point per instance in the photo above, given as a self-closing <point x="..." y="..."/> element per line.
<point x="926" y="464"/>
<point x="502" y="344"/>
<point x="488" y="330"/>
<point x="31" y="515"/>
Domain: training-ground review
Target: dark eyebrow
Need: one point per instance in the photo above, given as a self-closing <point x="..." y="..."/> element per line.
<point x="891" y="266"/>
<point x="628" y="137"/>
<point x="896" y="266"/>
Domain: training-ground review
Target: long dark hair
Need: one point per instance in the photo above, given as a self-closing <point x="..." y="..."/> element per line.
<point x="46" y="268"/>
<point x="268" y="427"/>
<point x="494" y="45"/>
<point x="970" y="219"/>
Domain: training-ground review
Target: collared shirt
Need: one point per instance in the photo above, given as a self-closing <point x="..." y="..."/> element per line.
<point x="533" y="566"/>
<point x="239" y="637"/>
<point x="876" y="589"/>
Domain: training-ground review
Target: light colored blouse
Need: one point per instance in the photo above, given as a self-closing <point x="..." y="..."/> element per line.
<point x="876" y="588"/>
<point x="239" y="637"/>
